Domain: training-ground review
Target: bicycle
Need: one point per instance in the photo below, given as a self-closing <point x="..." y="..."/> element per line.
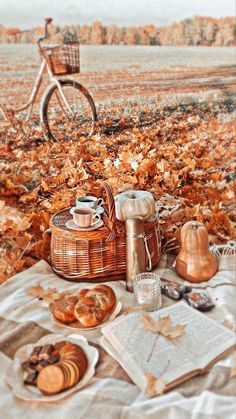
<point x="66" y="108"/>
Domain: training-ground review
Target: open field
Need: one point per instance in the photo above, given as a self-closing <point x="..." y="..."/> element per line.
<point x="166" y="124"/>
<point x="113" y="72"/>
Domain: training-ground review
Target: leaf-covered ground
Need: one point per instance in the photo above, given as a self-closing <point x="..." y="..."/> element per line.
<point x="182" y="152"/>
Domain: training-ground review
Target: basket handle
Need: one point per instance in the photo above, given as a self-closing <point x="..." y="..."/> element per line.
<point x="111" y="212"/>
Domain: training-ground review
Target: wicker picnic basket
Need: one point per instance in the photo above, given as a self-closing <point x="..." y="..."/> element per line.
<point x="98" y="255"/>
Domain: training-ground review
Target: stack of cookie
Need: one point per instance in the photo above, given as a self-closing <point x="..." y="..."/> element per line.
<point x="65" y="365"/>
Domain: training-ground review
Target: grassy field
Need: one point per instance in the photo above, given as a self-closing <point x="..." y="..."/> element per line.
<point x="115" y="72"/>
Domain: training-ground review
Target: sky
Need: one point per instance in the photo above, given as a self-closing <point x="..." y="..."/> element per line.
<point x="29" y="13"/>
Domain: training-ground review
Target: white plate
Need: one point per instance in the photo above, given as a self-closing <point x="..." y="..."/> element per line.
<point x="79" y="327"/>
<point x="15" y="374"/>
<point x="72" y="226"/>
<point x="99" y="210"/>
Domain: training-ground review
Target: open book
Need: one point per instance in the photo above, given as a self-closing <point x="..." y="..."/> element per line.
<point x="203" y="342"/>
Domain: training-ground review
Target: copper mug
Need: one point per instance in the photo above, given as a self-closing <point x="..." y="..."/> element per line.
<point x="85" y="217"/>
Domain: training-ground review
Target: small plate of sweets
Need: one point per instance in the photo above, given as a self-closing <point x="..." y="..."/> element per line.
<point x="86" y="309"/>
<point x="52" y="368"/>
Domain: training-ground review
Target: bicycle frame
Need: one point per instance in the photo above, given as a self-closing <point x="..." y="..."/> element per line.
<point x="34" y="92"/>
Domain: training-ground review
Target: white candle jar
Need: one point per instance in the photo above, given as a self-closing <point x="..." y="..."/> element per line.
<point x="147" y="291"/>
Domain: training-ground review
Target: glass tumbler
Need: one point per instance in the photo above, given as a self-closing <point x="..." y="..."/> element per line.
<point x="147" y="291"/>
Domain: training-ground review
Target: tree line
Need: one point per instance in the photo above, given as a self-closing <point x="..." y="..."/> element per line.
<point x="193" y="31"/>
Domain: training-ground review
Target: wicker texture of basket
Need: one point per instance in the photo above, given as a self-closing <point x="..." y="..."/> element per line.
<point x="63" y="59"/>
<point x="98" y="255"/>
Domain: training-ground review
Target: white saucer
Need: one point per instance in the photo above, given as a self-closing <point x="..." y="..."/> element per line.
<point x="72" y="226"/>
<point x="99" y="210"/>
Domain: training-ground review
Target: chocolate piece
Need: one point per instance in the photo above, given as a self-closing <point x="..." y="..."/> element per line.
<point x="31" y="378"/>
<point x="53" y="358"/>
<point x="28" y="367"/>
<point x="34" y="354"/>
<point x="199" y="300"/>
<point x="170" y="292"/>
<point x="41" y="365"/>
<point x="174" y="290"/>
<point x="187" y="289"/>
<point x="183" y="289"/>
<point x="45" y="352"/>
<point x="54" y="352"/>
<point x="44" y="363"/>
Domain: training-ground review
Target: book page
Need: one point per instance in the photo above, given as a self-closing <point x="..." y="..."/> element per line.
<point x="127" y="364"/>
<point x="143" y="351"/>
<point x="205" y="339"/>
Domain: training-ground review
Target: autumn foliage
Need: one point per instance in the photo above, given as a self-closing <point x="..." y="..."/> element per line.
<point x="185" y="158"/>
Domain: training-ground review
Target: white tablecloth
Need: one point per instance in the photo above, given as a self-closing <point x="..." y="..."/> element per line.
<point x="111" y="393"/>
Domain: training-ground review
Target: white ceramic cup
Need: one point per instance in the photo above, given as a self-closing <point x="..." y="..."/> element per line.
<point x="88" y="202"/>
<point x="85" y="217"/>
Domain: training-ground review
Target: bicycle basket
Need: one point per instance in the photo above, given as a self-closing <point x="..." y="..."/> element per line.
<point x="63" y="59"/>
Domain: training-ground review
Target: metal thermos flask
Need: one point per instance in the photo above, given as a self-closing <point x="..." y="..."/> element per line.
<point x="135" y="250"/>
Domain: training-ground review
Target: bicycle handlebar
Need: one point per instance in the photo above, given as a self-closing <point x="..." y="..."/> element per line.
<point x="48" y="20"/>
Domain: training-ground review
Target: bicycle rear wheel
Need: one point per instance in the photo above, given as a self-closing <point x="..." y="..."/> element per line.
<point x="62" y="121"/>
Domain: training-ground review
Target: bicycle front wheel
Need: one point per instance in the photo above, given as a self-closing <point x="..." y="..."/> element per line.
<point x="70" y="114"/>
